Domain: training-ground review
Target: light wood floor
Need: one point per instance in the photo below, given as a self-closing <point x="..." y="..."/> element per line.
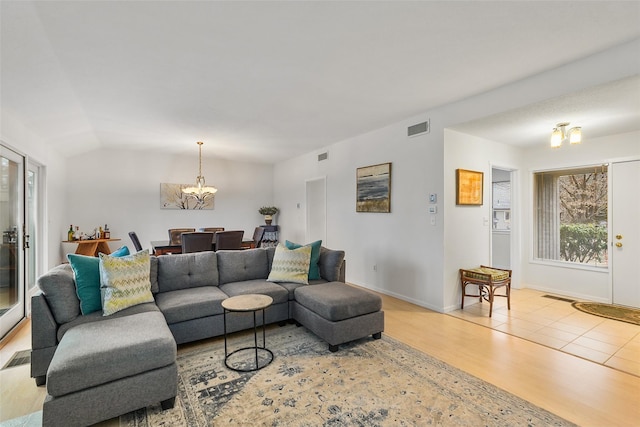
<point x="582" y="391"/>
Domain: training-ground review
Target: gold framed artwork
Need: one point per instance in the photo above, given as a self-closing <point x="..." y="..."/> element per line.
<point x="373" y="188"/>
<point x="469" y="187"/>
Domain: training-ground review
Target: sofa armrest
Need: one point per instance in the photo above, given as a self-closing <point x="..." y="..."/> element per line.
<point x="332" y="265"/>
<point x="43" y="326"/>
<point x="44" y="339"/>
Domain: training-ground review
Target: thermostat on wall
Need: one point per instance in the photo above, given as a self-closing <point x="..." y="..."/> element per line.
<point x="433" y="209"/>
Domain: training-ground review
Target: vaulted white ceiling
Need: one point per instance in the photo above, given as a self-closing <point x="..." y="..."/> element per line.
<point x="264" y="81"/>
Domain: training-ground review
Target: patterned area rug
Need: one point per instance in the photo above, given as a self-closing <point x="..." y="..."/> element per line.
<point x="366" y="383"/>
<point x="610" y="311"/>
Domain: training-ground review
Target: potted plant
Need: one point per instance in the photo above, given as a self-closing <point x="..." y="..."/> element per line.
<point x="268" y="212"/>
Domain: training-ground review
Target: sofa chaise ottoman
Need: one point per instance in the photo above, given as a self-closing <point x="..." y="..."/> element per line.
<point x="338" y="313"/>
<point x="109" y="368"/>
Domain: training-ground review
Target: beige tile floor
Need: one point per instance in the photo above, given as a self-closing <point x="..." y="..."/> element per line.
<point x="556" y="324"/>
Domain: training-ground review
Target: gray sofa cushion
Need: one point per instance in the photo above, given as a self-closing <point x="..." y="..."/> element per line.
<point x="97" y="316"/>
<point x="271" y="252"/>
<point x="188" y="304"/>
<point x="259" y="286"/>
<point x="182" y="271"/>
<point x="99" y="352"/>
<point x="59" y="289"/>
<point x="237" y="266"/>
<point x="330" y="264"/>
<point x="153" y="274"/>
<point x="337" y="301"/>
<point x="291" y="287"/>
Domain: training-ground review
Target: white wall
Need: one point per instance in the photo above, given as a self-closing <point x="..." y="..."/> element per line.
<point x="468" y="228"/>
<point x="405" y="250"/>
<point x="589" y="284"/>
<point x="122" y="189"/>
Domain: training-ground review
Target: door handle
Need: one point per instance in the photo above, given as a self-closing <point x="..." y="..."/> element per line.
<point x="618" y="245"/>
<point x="25" y="237"/>
<point x="619" y="236"/>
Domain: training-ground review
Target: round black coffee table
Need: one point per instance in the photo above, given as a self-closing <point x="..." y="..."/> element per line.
<point x="248" y="303"/>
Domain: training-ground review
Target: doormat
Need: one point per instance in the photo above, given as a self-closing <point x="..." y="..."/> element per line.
<point x="610" y="311"/>
<point x="18" y="358"/>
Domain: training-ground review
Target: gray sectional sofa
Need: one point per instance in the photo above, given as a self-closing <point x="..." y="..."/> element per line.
<point x="97" y="367"/>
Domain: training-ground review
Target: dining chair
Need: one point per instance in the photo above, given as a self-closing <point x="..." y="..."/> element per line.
<point x="229" y="240"/>
<point x="197" y="242"/>
<point x="258" y="233"/>
<point x="174" y="235"/>
<point x="135" y="240"/>
<point x="213" y="230"/>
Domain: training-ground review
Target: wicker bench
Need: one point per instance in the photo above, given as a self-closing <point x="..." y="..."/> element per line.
<point x="488" y="280"/>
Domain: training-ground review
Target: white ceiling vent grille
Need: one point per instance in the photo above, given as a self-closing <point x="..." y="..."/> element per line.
<point x="323" y="156"/>
<point x="418" y="129"/>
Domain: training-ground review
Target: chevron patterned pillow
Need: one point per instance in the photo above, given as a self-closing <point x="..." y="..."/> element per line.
<point x="124" y="281"/>
<point x="290" y="265"/>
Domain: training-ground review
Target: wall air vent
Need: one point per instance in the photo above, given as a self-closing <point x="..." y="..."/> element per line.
<point x="323" y="156"/>
<point x="418" y="129"/>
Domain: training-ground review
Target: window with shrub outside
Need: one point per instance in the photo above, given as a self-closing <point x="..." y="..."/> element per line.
<point x="571" y="216"/>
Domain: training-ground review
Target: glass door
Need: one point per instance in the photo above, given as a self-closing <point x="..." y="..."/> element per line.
<point x="12" y="308"/>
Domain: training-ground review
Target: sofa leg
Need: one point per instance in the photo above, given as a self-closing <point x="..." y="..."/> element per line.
<point x="40" y="380"/>
<point x="333" y="348"/>
<point x="377" y="335"/>
<point x="168" y="404"/>
<point x="298" y="324"/>
<point x="283" y="323"/>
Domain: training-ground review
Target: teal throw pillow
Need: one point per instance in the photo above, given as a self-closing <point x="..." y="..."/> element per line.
<point x="86" y="272"/>
<point x="123" y="251"/>
<point x="314" y="268"/>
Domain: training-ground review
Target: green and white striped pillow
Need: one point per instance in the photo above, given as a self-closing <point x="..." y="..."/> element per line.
<point x="124" y="281"/>
<point x="290" y="265"/>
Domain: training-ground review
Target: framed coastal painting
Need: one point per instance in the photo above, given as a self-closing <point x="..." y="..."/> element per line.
<point x="172" y="197"/>
<point x="373" y="188"/>
<point x="469" y="187"/>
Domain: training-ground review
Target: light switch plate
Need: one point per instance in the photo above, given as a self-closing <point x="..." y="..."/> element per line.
<point x="433" y="209"/>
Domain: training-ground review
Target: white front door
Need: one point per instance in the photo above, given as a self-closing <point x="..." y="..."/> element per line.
<point x="625" y="233"/>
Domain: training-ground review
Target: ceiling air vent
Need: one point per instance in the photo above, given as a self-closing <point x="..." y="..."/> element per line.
<point x="418" y="129"/>
<point x="323" y="156"/>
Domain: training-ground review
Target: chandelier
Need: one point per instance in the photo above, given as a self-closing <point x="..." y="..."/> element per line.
<point x="559" y="134"/>
<point x="200" y="191"/>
